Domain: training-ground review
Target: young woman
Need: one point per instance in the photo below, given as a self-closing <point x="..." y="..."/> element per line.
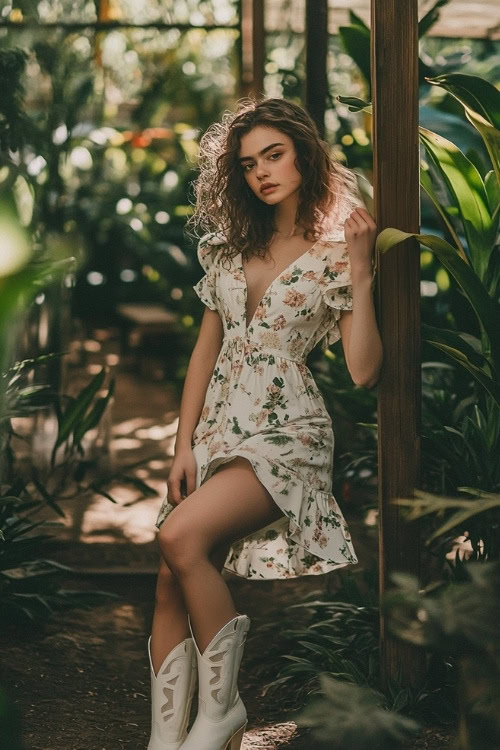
<point x="288" y="262"/>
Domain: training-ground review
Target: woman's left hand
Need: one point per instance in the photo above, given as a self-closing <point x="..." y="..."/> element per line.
<point x="360" y="233"/>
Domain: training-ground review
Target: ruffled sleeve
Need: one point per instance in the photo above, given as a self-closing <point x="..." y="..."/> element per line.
<point x="208" y="251"/>
<point x="336" y="290"/>
<point x="336" y="280"/>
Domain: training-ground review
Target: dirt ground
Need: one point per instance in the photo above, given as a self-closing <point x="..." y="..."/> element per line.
<point x="81" y="679"/>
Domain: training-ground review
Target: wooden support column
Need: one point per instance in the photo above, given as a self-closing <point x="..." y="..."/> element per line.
<point x="316" y="60"/>
<point x="252" y="47"/>
<point x="394" y="60"/>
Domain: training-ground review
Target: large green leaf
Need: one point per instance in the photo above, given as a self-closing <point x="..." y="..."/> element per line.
<point x="491" y="138"/>
<point x="481" y="101"/>
<point x="490" y="386"/>
<point x="356" y="42"/>
<point x="477" y="94"/>
<point x="426" y="183"/>
<point x="484" y="306"/>
<point x="455" y="340"/>
<point x="468" y="193"/>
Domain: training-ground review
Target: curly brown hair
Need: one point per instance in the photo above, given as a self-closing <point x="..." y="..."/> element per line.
<point x="225" y="204"/>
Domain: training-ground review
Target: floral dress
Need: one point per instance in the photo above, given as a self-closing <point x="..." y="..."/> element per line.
<point x="263" y="404"/>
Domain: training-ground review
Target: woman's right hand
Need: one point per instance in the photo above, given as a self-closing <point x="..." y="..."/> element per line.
<point x="182" y="476"/>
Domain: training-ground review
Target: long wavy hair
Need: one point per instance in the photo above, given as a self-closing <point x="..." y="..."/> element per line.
<point x="225" y="203"/>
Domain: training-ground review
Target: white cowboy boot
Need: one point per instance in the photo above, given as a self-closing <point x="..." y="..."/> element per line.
<point x="222" y="717"/>
<point x="172" y="692"/>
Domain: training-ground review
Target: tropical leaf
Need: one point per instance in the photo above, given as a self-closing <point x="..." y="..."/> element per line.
<point x="426" y="503"/>
<point x="94" y="416"/>
<point x="475" y="93"/>
<point x="490" y="136"/>
<point x="455" y="346"/>
<point x="426" y="183"/>
<point x="456" y="340"/>
<point x="481" y="102"/>
<point x="355" y="104"/>
<point x="356" y="42"/>
<point x="68" y="419"/>
<point x="483" y="305"/>
<point x="468" y="194"/>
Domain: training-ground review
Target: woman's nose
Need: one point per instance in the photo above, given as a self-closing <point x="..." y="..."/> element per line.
<point x="262" y="171"/>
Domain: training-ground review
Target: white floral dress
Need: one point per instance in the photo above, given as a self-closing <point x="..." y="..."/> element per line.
<point x="262" y="403"/>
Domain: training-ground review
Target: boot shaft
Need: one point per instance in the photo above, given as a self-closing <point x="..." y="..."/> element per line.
<point x="172" y="692"/>
<point x="218" y="668"/>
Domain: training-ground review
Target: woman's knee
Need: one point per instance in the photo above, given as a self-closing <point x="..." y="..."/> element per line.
<point x="181" y="547"/>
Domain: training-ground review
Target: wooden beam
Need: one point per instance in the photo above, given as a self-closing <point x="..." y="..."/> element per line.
<point x="394" y="60"/>
<point x="252" y="47"/>
<point x="316" y="60"/>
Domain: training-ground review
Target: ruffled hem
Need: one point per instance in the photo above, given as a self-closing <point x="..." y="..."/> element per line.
<point x="289" y="547"/>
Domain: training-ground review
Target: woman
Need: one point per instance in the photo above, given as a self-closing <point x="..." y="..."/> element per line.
<point x="288" y="261"/>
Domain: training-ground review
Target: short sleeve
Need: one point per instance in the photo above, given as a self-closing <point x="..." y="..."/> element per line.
<point x="336" y="289"/>
<point x="336" y="280"/>
<point x="208" y="252"/>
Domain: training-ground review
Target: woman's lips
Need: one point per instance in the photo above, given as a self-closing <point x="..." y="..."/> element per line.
<point x="268" y="189"/>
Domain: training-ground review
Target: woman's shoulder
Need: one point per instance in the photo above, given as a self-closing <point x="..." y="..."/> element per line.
<point x="212" y="239"/>
<point x="209" y="248"/>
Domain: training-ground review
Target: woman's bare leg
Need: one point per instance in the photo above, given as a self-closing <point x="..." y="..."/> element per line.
<point x="230" y="505"/>
<point x="170" y="625"/>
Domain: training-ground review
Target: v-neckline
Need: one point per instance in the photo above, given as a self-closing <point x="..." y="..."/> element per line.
<point x="269" y="286"/>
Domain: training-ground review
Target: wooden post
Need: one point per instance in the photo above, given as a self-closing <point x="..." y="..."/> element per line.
<point x="394" y="56"/>
<point x="316" y="60"/>
<point x="252" y="47"/>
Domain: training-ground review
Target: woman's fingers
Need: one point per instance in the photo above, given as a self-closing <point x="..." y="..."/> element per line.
<point x="174" y="489"/>
<point x="360" y="221"/>
<point x="190" y="482"/>
<point x="366" y="216"/>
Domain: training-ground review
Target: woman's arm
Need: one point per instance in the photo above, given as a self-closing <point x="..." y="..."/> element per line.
<point x="199" y="372"/>
<point x="358" y="328"/>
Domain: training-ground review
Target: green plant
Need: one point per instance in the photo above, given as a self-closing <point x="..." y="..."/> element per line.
<point x="472" y="212"/>
<point x="30" y="583"/>
<point x="337" y="635"/>
<point x="469" y="448"/>
<point x="461" y="620"/>
<point x="356" y="40"/>
<point x="28" y="586"/>
<point x="354" y="716"/>
<point x="457" y="623"/>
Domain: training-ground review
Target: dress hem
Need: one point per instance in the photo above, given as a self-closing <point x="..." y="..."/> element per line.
<point x="294" y="532"/>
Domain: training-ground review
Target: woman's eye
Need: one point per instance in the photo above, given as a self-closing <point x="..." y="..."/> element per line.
<point x="247" y="167"/>
<point x="277" y="155"/>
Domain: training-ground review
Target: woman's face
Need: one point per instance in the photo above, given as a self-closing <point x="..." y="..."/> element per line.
<point x="267" y="157"/>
